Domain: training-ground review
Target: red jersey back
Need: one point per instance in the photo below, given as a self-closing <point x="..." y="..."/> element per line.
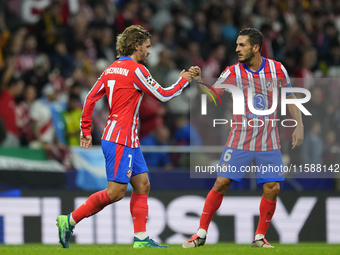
<point x="251" y="137"/>
<point x="125" y="82"/>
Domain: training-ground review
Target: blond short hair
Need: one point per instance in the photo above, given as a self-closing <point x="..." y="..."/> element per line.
<point x="127" y="40"/>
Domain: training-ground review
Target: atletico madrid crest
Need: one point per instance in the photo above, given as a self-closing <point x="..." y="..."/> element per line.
<point x="270" y="85"/>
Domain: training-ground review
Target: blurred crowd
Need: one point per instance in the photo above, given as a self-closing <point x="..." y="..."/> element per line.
<point x="53" y="51"/>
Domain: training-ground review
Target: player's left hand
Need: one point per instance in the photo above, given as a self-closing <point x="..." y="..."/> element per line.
<point x="297" y="137"/>
<point x="86" y="141"/>
<point x="195" y="72"/>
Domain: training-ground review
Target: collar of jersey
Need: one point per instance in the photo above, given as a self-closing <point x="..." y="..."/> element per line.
<point x="262" y="66"/>
<point x="125" y="58"/>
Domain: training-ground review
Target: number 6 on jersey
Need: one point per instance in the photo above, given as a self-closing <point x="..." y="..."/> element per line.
<point x="227" y="155"/>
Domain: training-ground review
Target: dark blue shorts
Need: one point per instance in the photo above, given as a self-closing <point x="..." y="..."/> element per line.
<point x="235" y="163"/>
<point x="122" y="162"/>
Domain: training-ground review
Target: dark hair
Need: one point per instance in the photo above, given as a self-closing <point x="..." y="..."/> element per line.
<point x="255" y="36"/>
<point x="73" y="97"/>
<point x="127" y="40"/>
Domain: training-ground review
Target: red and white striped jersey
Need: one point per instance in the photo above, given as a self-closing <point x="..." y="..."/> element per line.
<point x="125" y="82"/>
<point x="249" y="137"/>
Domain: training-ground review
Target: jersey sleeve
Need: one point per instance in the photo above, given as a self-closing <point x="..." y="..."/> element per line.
<point x="144" y="81"/>
<point x="285" y="82"/>
<point x="223" y="79"/>
<point x="96" y="93"/>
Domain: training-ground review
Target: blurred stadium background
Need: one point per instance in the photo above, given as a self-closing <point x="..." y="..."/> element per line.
<point x="52" y="52"/>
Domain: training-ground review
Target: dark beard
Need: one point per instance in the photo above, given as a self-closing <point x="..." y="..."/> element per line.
<point x="143" y="62"/>
<point x="249" y="57"/>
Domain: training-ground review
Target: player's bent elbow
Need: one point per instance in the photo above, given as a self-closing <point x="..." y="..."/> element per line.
<point x="164" y="100"/>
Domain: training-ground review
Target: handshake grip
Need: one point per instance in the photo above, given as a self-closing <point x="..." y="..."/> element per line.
<point x="193" y="72"/>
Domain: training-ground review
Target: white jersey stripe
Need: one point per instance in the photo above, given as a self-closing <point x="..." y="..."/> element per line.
<point x="286" y="74"/>
<point x="134" y="120"/>
<point x="109" y="133"/>
<point x="116" y="141"/>
<point x="252" y="144"/>
<point x="107" y="125"/>
<point x="153" y="89"/>
<point x="273" y="136"/>
<point x="262" y="78"/>
<point x="273" y="73"/>
<point x="239" y="84"/>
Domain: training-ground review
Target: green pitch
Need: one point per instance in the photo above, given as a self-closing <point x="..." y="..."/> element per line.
<point x="220" y="248"/>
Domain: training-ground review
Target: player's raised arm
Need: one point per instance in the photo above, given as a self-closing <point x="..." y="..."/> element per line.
<point x="298" y="134"/>
<point x="195" y="72"/>
<point x="145" y="82"/>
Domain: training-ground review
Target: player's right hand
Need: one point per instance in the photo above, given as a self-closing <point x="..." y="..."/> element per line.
<point x="185" y="75"/>
<point x="86" y="141"/>
<point x="195" y="71"/>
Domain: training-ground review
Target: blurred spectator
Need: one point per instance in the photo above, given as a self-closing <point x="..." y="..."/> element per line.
<point x="56" y="107"/>
<point x="332" y="60"/>
<point x="75" y="90"/>
<point x="8" y="112"/>
<point x="61" y="59"/>
<point x="42" y="124"/>
<point x="165" y="67"/>
<point x="304" y="71"/>
<point x="10" y="12"/>
<point x="4" y="35"/>
<point x="182" y="57"/>
<point x="199" y="31"/>
<point x="212" y="67"/>
<point x="155" y="50"/>
<point x="38" y="76"/>
<point x="106" y="47"/>
<point x="326" y="36"/>
<point x="168" y="37"/>
<point x="312" y="147"/>
<point x="151" y="115"/>
<point x="28" y="55"/>
<point x="159" y="137"/>
<point x="50" y="27"/>
<point x="24" y="117"/>
<point x="316" y="106"/>
<point x="32" y="10"/>
<point x="99" y="20"/>
<point x="213" y="39"/>
<point x="145" y="17"/>
<point x="229" y="30"/>
<point x="185" y="133"/>
<point x="331" y="151"/>
<point x="268" y="36"/>
<point x="195" y="56"/>
<point x="182" y="23"/>
<point x="81" y="60"/>
<point x="82" y="38"/>
<point x="45" y="133"/>
<point x="128" y="15"/>
<point x="71" y="118"/>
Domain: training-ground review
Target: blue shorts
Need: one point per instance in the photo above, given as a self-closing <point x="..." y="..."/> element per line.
<point x="235" y="163"/>
<point x="122" y="162"/>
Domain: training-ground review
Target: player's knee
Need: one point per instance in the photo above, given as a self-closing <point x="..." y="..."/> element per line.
<point x="144" y="187"/>
<point x="222" y="184"/>
<point x="116" y="194"/>
<point x="271" y="190"/>
<point x="275" y="190"/>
